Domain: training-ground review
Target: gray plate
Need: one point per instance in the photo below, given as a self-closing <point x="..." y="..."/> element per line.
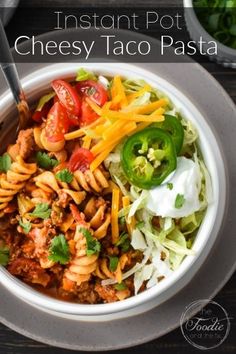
<point x="203" y="90"/>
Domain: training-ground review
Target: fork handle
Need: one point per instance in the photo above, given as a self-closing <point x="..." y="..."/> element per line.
<point x="9" y="68"/>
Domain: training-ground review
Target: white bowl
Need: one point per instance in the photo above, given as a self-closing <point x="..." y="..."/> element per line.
<point x="226" y="56"/>
<point x="38" y="82"/>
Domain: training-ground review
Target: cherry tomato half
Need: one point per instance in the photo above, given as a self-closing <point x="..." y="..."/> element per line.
<point x="57" y="123"/>
<point x="68" y="96"/>
<point x="87" y="114"/>
<point x="80" y="160"/>
<point x="39" y="115"/>
<point x="73" y="120"/>
<point x="93" y="90"/>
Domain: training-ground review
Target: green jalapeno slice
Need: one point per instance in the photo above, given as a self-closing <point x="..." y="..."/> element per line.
<point x="148" y="157"/>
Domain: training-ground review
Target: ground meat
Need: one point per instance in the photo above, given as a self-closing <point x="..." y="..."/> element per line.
<point x="26" y="143"/>
<point x="29" y="270"/>
<point x="63" y="199"/>
<point x="86" y="294"/>
<point x="83" y="294"/>
<point x="107" y="293"/>
<point x="28" y="249"/>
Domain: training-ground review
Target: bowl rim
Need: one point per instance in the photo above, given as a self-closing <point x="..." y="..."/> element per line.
<point x="188" y="4"/>
<point x="25" y="291"/>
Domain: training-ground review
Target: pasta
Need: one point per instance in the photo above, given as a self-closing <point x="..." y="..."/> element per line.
<point x="92" y="181"/>
<point x="14" y="180"/>
<point x="96" y="211"/>
<point x="81" y="266"/>
<point x="78" y="219"/>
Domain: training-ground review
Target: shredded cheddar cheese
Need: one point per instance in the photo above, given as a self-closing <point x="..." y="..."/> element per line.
<point x="119" y="99"/>
<point x="101" y="157"/>
<point x="86" y="142"/>
<point x="129" y="223"/>
<point x="132" y="96"/>
<point x="82" y="131"/>
<point x="118" y="273"/>
<point x="114" y="215"/>
<point x="132" y="116"/>
<point x="118" y="136"/>
<point x="151" y="107"/>
<point x="94" y="106"/>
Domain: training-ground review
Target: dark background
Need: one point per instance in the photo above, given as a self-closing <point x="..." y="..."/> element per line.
<point x="174" y="342"/>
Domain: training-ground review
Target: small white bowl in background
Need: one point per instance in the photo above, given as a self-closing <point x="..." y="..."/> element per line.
<point x="226" y="56"/>
<point x="37" y="83"/>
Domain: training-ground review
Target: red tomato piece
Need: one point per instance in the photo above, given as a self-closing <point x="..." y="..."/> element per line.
<point x="80" y="160"/>
<point x="68" y="96"/>
<point x="57" y="123"/>
<point x="77" y="215"/>
<point x="39" y="115"/>
<point x="93" y="90"/>
<point x="87" y="114"/>
<point x="74" y="121"/>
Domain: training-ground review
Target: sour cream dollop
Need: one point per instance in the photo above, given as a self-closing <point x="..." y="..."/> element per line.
<point x="184" y="185"/>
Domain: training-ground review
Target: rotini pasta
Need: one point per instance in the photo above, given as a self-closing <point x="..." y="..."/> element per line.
<point x="99" y="216"/>
<point x="82" y="266"/>
<point x="47" y="182"/>
<point x="92" y="181"/>
<point x="14" y="180"/>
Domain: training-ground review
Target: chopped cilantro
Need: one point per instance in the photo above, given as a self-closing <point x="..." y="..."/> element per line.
<point x="26" y="226"/>
<point x="170" y="186"/>
<point x="179" y="201"/>
<point x="120" y="286"/>
<point x="5" y="162"/>
<point x="44" y="161"/>
<point x="122" y="220"/>
<point x="93" y="245"/>
<point x="59" y="250"/>
<point x="65" y="176"/>
<point x="113" y="263"/>
<point x="4" y="255"/>
<point x="123" y="242"/>
<point x="41" y="211"/>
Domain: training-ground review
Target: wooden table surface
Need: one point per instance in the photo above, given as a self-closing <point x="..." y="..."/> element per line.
<point x="172" y="343"/>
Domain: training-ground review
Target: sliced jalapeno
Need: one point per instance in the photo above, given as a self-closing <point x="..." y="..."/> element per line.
<point x="173" y="126"/>
<point x="148" y="157"/>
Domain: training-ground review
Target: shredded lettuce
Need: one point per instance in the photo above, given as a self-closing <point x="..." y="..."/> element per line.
<point x="103" y="81"/>
<point x="167" y="225"/>
<point x="207" y="191"/>
<point x="189" y="224"/>
<point x="177" y="245"/>
<point x="142" y="275"/>
<point x="139" y="101"/>
<point x="139" y="203"/>
<point x="121" y="185"/>
<point x="138" y="241"/>
<point x="190" y="133"/>
<point x="83" y="74"/>
<point x="133" y="85"/>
